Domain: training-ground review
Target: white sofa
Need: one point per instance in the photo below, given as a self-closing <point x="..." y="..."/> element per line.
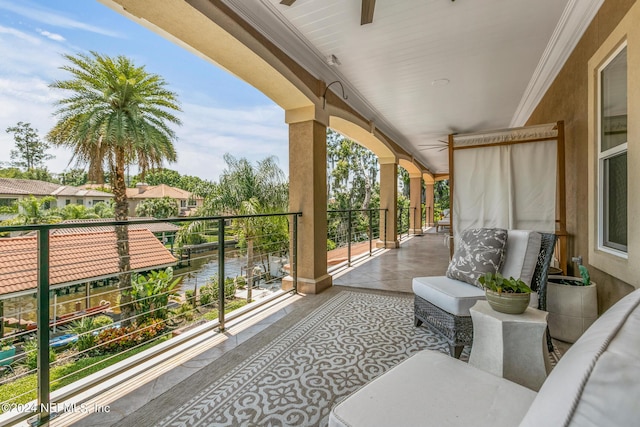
<point x="596" y="383"/>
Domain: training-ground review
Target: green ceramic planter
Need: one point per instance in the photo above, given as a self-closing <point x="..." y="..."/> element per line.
<point x="508" y="303"/>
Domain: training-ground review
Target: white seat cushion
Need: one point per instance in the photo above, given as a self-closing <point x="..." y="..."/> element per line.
<point x="433" y="389"/>
<point x="451" y="295"/>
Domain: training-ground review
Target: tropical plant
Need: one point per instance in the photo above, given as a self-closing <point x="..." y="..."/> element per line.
<point x="6" y="345"/>
<point x="32" y="210"/>
<point x="245" y="189"/>
<point x="150" y="294"/>
<point x="164" y="207"/>
<point x="30" y="349"/>
<point x="84" y="329"/>
<point x="104" y="209"/>
<point x="214" y="290"/>
<point x="497" y="283"/>
<point x="115" y="113"/>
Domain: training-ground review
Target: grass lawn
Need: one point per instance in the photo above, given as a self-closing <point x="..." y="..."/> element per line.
<point x="24" y="389"/>
<point x="228" y="307"/>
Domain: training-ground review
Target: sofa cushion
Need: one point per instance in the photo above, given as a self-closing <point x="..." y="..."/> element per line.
<point x="451" y="295"/>
<point x="521" y="254"/>
<point x="433" y="389"/>
<point x="480" y="251"/>
<point x="597" y="382"/>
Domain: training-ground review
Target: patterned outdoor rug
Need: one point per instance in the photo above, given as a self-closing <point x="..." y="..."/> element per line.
<point x="300" y="375"/>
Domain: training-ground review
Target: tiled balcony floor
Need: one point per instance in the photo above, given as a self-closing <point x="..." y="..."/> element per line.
<point x="390" y="270"/>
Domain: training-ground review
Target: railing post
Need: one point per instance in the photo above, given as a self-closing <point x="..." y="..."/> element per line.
<point x="370" y="232"/>
<point x="294" y="256"/>
<point x="349" y="237"/>
<point x="221" y="274"/>
<point x="386" y="214"/>
<point x="43" y="327"/>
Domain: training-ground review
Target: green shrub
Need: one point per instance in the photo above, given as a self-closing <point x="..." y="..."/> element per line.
<point x="185" y="311"/>
<point x="229" y="287"/>
<point x="84" y="328"/>
<point x="189" y="296"/>
<point x="206" y="295"/>
<point x="102" y="321"/>
<point x="114" y="340"/>
<point x="331" y="245"/>
<point x="240" y="282"/>
<point x="30" y="348"/>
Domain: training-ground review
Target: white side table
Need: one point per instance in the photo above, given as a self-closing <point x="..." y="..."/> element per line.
<point x="512" y="346"/>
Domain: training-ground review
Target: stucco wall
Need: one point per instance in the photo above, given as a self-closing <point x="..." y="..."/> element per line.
<point x="567" y="99"/>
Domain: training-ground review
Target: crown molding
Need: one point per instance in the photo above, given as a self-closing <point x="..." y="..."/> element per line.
<point x="574" y="21"/>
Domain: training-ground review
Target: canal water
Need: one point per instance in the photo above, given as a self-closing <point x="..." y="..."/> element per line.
<point x="195" y="274"/>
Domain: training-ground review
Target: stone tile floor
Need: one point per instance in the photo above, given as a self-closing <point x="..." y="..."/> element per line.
<point x="387" y="270"/>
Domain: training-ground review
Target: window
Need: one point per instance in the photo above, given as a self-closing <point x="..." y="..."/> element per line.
<point x="79" y="202"/>
<point x="8" y="202"/>
<point x="67" y="202"/>
<point x="612" y="153"/>
<point x="183" y="203"/>
<point x="97" y="201"/>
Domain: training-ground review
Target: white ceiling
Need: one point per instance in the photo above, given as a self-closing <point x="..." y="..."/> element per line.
<point x="499" y="56"/>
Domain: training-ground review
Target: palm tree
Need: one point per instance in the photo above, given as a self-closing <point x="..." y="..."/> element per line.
<point x="116" y="114"/>
<point x="245" y="189"/>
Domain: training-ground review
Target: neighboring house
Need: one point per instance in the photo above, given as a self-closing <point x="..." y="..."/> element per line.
<point x="187" y="201"/>
<point x="13" y="190"/>
<point x="75" y="258"/>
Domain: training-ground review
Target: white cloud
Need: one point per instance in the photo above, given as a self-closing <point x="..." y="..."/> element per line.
<point x="52" y="36"/>
<point x="50" y="17"/>
<point x="30" y="63"/>
<point x="208" y="133"/>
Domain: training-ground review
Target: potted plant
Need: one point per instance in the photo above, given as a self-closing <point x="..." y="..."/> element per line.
<point x="7" y="352"/>
<point x="572" y="303"/>
<point x="509" y="296"/>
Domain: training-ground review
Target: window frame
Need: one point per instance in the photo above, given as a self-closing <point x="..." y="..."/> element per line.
<point x="602" y="220"/>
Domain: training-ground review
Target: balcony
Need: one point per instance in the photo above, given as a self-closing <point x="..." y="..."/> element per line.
<point x="82" y="264"/>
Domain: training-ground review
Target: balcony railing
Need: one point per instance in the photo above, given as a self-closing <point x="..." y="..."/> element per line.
<point x="403" y="221"/>
<point x="77" y="297"/>
<point x="351" y="234"/>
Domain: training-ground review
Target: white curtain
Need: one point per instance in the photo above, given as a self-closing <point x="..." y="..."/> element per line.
<point x="507" y="186"/>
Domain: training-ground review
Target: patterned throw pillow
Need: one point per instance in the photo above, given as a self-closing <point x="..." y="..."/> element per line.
<point x="481" y="250"/>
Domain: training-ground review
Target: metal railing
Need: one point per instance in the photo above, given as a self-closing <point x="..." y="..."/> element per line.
<point x="217" y="264"/>
<point x="351" y="233"/>
<point x="403" y="221"/>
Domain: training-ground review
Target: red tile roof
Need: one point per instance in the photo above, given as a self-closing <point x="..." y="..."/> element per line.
<point x="76" y="258"/>
<point x="155" y="227"/>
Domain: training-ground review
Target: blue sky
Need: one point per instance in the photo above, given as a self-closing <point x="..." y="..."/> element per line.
<point x="220" y="112"/>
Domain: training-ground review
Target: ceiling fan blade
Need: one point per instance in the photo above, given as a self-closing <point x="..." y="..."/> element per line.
<point x="287" y="2"/>
<point x="367" y="11"/>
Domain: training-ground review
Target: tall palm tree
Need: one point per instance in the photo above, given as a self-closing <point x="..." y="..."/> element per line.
<point x="245" y="189"/>
<point x="115" y="114"/>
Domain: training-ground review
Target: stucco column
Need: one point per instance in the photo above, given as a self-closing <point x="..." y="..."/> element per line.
<point x="415" y="205"/>
<point x="388" y="201"/>
<point x="308" y="194"/>
<point x="428" y="200"/>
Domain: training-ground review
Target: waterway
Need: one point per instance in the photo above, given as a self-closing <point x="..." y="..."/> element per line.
<point x="195" y="274"/>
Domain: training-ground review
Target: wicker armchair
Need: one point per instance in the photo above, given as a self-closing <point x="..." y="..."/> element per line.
<point x="458" y="330"/>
